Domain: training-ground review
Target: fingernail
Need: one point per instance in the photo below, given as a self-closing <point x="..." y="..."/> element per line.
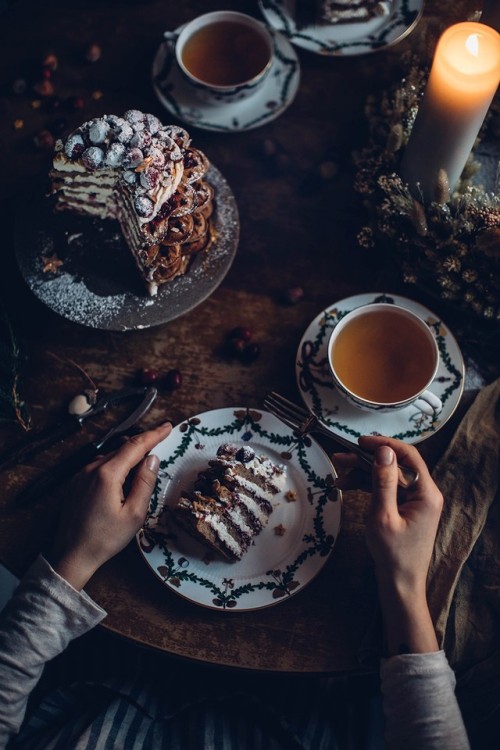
<point x="384" y="456"/>
<point x="153" y="462"/>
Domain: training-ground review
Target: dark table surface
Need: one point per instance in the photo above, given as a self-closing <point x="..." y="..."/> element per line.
<point x="298" y="224"/>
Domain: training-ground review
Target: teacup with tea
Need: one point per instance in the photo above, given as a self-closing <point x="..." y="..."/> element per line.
<point x="384" y="357"/>
<point x="224" y="56"/>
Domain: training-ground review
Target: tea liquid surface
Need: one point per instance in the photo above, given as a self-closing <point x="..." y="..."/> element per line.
<point x="383" y="357"/>
<point x="225" y="53"/>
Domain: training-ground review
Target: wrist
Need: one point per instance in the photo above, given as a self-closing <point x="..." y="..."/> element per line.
<point x="76" y="572"/>
<point x="408" y="624"/>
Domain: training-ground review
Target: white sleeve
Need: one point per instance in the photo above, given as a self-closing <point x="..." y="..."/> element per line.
<point x="420" y="707"/>
<point x="43" y="616"/>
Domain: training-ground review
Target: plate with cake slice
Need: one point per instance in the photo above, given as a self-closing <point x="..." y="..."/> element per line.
<point x="245" y="512"/>
<point x="343" y="27"/>
<point x="134" y="228"/>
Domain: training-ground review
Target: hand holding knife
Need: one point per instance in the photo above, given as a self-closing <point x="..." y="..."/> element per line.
<point x="88" y="453"/>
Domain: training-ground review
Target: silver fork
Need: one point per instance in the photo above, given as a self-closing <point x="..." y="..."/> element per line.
<point x="304" y="421"/>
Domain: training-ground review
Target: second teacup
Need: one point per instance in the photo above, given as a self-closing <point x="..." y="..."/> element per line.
<point x="383" y="357"/>
<point x="225" y="56"/>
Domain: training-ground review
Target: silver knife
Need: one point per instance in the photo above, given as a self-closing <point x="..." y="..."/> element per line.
<point x="44" y="439"/>
<point x="69" y="466"/>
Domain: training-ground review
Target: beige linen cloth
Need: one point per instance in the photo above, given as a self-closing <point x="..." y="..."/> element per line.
<point x="464" y="577"/>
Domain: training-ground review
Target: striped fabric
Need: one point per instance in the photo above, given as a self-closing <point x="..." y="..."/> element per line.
<point x="94" y="717"/>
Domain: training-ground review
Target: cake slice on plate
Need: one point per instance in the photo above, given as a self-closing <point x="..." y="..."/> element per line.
<point x="231" y="500"/>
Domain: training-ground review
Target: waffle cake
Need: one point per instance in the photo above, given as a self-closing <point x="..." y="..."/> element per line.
<point x="149" y="178"/>
<point x="231" y="500"/>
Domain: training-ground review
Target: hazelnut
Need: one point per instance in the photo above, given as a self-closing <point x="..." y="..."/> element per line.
<point x="93" y="53"/>
<point x="44" y="88"/>
<point x="50" y="61"/>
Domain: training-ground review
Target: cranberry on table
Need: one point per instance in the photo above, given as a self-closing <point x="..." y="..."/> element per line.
<point x="241" y="332"/>
<point x="148" y="376"/>
<point x="237" y="346"/>
<point x="293" y="294"/>
<point x="251" y="352"/>
<point x="173" y="379"/>
<point x="76" y="102"/>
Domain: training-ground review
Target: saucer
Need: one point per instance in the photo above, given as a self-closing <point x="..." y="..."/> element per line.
<point x="408" y="424"/>
<point x="345" y="38"/>
<point x="275" y="95"/>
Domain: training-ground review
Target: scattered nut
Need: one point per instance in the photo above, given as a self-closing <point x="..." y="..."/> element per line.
<point x="50" y="61"/>
<point x="279" y="530"/>
<point x="93" y="53"/>
<point x="36" y="103"/>
<point x="328" y="170"/>
<point x="96" y="95"/>
<point x="44" y="88"/>
<point x="18" y="124"/>
<point x="79" y="404"/>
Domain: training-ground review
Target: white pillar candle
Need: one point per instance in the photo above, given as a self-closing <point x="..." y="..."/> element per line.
<point x="463" y="80"/>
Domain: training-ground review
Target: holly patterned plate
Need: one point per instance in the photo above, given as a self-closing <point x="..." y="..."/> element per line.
<point x="344" y="419"/>
<point x="287" y="554"/>
<point x="345" y="38"/>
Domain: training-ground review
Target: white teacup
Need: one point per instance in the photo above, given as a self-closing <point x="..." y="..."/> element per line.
<point x="383" y="357"/>
<point x="224" y="56"/>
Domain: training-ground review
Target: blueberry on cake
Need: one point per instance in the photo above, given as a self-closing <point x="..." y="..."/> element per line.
<point x="231" y="500"/>
<point x="149" y="178"/>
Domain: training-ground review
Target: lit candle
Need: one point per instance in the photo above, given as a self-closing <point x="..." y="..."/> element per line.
<point x="463" y="80"/>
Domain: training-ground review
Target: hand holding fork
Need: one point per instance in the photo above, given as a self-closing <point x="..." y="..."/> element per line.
<point x="304" y="421"/>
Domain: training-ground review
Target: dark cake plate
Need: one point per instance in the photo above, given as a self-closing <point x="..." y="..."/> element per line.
<point x="98" y="284"/>
<point x="287" y="554"/>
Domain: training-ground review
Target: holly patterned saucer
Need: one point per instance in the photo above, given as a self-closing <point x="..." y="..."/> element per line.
<point x="344" y="419"/>
<point x="287" y="554"/>
<point x="276" y="94"/>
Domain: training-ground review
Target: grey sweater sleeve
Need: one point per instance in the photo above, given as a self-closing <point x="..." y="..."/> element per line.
<point x="420" y="707"/>
<point x="43" y="616"/>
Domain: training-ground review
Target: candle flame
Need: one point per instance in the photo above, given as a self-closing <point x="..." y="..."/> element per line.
<point x="472" y="44"/>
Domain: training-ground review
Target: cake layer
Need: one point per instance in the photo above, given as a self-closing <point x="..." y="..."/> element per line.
<point x="232" y="500"/>
<point x="352" y="11"/>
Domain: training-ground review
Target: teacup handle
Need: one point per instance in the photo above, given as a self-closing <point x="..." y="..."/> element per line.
<point x="171" y="38"/>
<point x="428" y="403"/>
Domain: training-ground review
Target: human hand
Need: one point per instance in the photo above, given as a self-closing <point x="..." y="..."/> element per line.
<point x="98" y="520"/>
<point x="401" y="531"/>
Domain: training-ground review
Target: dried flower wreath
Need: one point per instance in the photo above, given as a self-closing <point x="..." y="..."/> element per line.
<point x="450" y="247"/>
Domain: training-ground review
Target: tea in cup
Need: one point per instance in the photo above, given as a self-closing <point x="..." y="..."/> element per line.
<point x="225" y="56"/>
<point x="383" y="357"/>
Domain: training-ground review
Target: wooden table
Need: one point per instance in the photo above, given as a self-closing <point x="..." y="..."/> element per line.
<point x="297" y="229"/>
